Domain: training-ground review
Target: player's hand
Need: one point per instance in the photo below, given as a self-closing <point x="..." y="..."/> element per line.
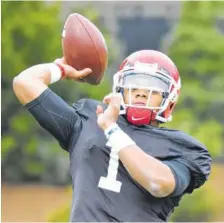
<point x="71" y="73"/>
<point x="110" y="115"/>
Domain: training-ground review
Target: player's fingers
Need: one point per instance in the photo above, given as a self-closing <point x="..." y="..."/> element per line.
<point x="82" y="73"/>
<point x="63" y="58"/>
<point x="115" y="103"/>
<point x="99" y="110"/>
<point x="107" y="99"/>
<point x="116" y="100"/>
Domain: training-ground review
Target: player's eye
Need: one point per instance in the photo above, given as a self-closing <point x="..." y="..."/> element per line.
<point x="156" y="93"/>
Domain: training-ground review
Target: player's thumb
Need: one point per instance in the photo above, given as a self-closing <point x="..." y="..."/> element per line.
<point x="83" y="73"/>
<point x="99" y="110"/>
<point x="60" y="61"/>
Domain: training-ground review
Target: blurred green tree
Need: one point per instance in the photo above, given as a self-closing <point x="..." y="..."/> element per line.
<point x="197" y="50"/>
<point x="31" y="34"/>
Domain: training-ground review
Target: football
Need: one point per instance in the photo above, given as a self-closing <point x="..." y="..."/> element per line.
<point x="84" y="46"/>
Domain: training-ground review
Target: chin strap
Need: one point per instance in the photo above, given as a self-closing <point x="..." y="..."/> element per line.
<point x="140" y="116"/>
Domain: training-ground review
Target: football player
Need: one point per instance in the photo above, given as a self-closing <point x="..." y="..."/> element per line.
<point x="123" y="165"/>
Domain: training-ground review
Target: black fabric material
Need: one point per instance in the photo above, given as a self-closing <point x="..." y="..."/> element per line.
<point x="182" y="176"/>
<point x="57" y="117"/>
<point x="77" y="131"/>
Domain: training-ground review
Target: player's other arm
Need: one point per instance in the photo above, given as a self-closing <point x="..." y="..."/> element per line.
<point x="161" y="179"/>
<point x="154" y="175"/>
<point x="32" y="82"/>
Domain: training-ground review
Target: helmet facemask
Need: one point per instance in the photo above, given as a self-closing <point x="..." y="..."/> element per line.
<point x="155" y="82"/>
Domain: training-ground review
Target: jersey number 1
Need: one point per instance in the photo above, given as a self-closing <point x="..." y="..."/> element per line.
<point x="110" y="182"/>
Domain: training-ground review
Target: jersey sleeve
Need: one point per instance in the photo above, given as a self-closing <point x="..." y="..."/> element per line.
<point x="57" y="117"/>
<point x="198" y="161"/>
<point x="181" y="175"/>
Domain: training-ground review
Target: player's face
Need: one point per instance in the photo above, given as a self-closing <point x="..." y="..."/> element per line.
<point x="140" y="96"/>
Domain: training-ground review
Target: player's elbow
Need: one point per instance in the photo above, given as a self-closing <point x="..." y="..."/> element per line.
<point x="25" y="80"/>
<point x="23" y="89"/>
<point x="161" y="188"/>
<point x="17" y="83"/>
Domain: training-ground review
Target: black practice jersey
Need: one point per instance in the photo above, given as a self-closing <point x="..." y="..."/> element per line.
<point x="77" y="131"/>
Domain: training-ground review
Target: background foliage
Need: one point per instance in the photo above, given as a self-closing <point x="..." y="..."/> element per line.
<point x="28" y="152"/>
<point x="31" y="154"/>
<point x="197" y="49"/>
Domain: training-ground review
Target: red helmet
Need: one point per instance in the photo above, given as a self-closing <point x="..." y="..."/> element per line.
<point x="152" y="70"/>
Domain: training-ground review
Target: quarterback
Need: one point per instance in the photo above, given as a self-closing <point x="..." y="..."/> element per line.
<point x="124" y="166"/>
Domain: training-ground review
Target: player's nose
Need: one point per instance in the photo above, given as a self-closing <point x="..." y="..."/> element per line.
<point x="142" y="93"/>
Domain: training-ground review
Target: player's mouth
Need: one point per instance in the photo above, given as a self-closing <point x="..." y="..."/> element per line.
<point x="139" y="103"/>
